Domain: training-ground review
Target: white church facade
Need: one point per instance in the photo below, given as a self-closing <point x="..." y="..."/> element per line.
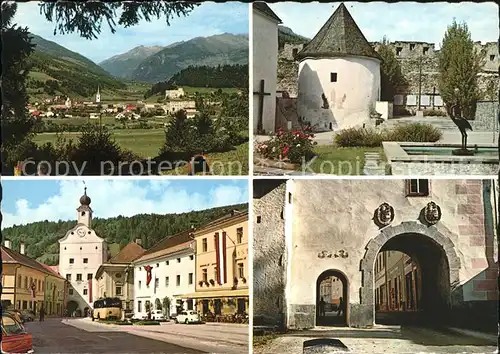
<point x="81" y="253"/>
<point x="163" y="273"/>
<point x="339" y="76"/>
<point x="265" y="66"/>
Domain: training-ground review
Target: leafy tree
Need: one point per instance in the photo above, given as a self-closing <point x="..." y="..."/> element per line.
<point x="179" y="134"/>
<point x="16" y="121"/>
<point x="459" y="66"/>
<point x="86" y="19"/>
<point x="166" y="306"/>
<point x="391" y="76"/>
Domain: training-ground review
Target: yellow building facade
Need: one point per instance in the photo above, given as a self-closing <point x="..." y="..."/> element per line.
<point x="221" y="273"/>
<point x="29" y="285"/>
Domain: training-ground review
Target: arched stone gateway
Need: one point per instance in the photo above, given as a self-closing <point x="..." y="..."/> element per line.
<point x="441" y="265"/>
<point x="329" y="302"/>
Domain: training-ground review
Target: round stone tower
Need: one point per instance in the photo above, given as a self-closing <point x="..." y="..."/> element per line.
<point x="339" y="76"/>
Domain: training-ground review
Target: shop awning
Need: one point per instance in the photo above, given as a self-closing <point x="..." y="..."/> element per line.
<point x="214" y="294"/>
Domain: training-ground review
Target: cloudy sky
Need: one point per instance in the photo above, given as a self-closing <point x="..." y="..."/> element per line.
<point x="205" y="20"/>
<point x="404" y="21"/>
<point x="26" y="201"/>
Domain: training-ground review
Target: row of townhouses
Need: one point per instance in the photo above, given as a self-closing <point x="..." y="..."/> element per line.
<point x="204" y="269"/>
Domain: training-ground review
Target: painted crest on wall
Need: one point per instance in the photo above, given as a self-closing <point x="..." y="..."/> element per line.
<point x="432" y="213"/>
<point x="384" y="215"/>
<point x="329" y="254"/>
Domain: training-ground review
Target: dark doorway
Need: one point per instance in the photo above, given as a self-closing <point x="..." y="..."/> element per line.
<point x="412" y="278"/>
<point x="205" y="307"/>
<point x="332" y="301"/>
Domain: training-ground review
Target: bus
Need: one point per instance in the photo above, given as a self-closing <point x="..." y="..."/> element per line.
<point x="107" y="309"/>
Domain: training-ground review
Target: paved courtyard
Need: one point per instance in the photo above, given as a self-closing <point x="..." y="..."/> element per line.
<point x="386" y="339"/>
<point x="85" y="336"/>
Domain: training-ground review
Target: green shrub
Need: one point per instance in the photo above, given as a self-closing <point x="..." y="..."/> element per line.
<point x="434" y="113"/>
<point x="292" y="146"/>
<point x="115" y="322"/>
<point x="414" y="132"/>
<point x="355" y="137"/>
<point x="147" y="323"/>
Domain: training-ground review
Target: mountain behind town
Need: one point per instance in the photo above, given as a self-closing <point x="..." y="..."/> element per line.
<point x="148" y="64"/>
<point x="41" y="238"/>
<point x="287" y="35"/>
<point x="55" y="69"/>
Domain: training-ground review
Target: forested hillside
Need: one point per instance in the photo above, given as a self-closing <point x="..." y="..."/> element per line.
<point x="222" y="76"/>
<point x="41" y="238"/>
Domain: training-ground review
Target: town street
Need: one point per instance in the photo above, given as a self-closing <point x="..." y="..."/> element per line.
<point x="384" y="339"/>
<point x="83" y="335"/>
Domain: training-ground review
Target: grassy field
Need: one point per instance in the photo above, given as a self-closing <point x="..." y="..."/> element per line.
<point x="205" y="90"/>
<point x="147" y="143"/>
<point x="341" y="161"/>
<point x="144" y="142"/>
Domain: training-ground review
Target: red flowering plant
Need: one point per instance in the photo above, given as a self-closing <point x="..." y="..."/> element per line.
<point x="291" y="146"/>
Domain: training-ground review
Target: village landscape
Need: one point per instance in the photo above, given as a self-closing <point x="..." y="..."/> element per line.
<point x="95" y="277"/>
<point x="167" y="101"/>
<point x="344" y="100"/>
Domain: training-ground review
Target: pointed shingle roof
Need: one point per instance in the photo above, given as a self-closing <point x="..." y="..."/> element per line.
<point x="264" y="9"/>
<point x="339" y="36"/>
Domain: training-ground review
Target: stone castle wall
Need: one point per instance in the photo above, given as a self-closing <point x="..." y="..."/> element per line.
<point x="269" y="258"/>
<point x="413" y="58"/>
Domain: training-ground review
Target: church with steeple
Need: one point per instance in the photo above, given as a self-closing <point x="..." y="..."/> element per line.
<point x="98" y="95"/>
<point x="81" y="253"/>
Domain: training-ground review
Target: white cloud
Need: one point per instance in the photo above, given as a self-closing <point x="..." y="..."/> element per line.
<point x="125" y="197"/>
<point x="404" y="21"/>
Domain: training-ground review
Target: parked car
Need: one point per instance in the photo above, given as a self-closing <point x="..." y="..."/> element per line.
<point x="188" y="317"/>
<point x="27" y="315"/>
<point x="15" y="339"/>
<point x="17" y="315"/>
<point x="157" y="315"/>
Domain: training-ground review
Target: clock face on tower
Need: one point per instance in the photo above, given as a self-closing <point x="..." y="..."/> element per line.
<point x="80" y="231"/>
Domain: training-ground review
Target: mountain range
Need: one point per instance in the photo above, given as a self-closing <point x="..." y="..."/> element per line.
<point x="58" y="70"/>
<point x="287" y="35"/>
<point x="155" y="64"/>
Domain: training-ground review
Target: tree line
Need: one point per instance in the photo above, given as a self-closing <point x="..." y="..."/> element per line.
<point x="221" y="76"/>
<point x="41" y="238"/>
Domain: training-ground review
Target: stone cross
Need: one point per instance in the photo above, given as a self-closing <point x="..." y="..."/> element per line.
<point x="261" y="93"/>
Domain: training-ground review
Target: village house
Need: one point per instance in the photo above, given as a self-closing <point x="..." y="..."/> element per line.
<point x="115" y="278"/>
<point x="174" y="94"/>
<point x="163" y="274"/>
<point x="28" y="284"/>
<point x="170" y="107"/>
<point x="222" y="266"/>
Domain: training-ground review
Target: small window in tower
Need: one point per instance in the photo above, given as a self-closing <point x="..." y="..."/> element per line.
<point x="295" y="51"/>
<point x="492" y="57"/>
<point x="333" y="77"/>
<point x="425" y="50"/>
<point x="85" y="260"/>
<point x="259" y="219"/>
<point x="84" y="291"/>
<point x="83" y="213"/>
<point x="412" y="46"/>
<point x="417" y="187"/>
<point x="71" y="260"/>
<point x="398" y="51"/>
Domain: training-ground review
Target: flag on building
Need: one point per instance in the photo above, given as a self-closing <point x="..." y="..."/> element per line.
<point x="220" y="252"/>
<point x="90" y="291"/>
<point x="33" y="290"/>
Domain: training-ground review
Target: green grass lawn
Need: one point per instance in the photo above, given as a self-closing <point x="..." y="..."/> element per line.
<point x="341" y="161"/>
<point x="144" y="142"/>
<point x="147" y="143"/>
